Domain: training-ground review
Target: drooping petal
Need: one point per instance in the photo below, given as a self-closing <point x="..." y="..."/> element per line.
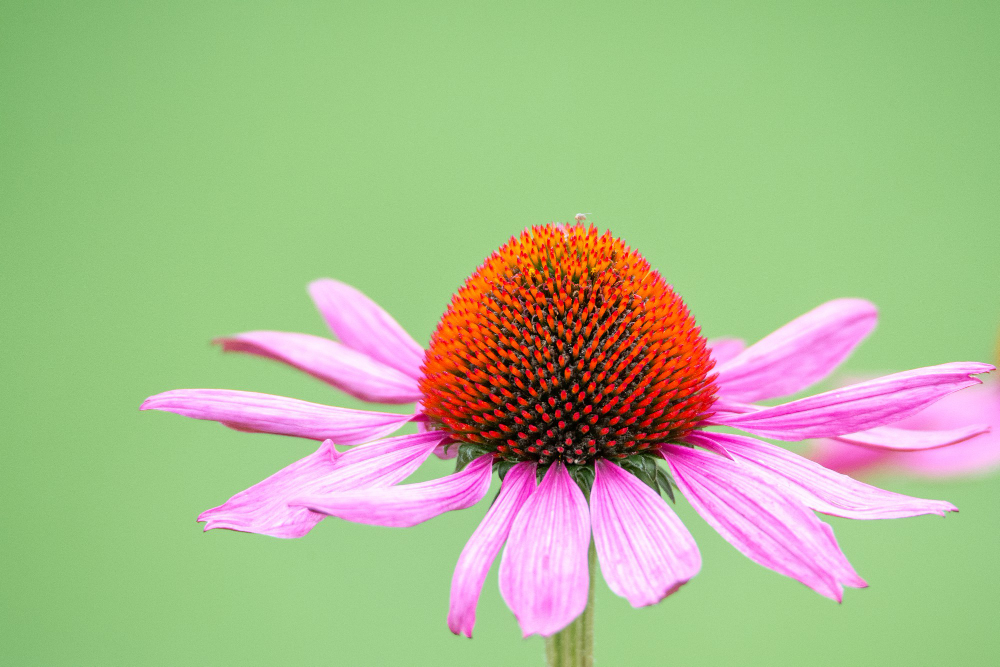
<point x="764" y="524"/>
<point x="264" y="509"/>
<point x="724" y="349"/>
<point x="407" y="505"/>
<point x="484" y="545"/>
<point x="264" y="413"/>
<point x="821" y="489"/>
<point x="544" y="576"/>
<point x="909" y="440"/>
<point x="799" y="354"/>
<point x="350" y="371"/>
<point x="645" y="551"/>
<point x="362" y="325"/>
<point x="858" y="407"/>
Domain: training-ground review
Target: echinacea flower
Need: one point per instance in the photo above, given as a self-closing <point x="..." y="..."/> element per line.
<point x="571" y="368"/>
<point x="976" y="456"/>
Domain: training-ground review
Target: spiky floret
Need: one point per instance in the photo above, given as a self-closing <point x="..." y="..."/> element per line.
<point x="566" y="345"/>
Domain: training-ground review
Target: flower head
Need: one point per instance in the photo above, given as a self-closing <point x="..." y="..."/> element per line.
<point x="571" y="368"/>
<point x="566" y="346"/>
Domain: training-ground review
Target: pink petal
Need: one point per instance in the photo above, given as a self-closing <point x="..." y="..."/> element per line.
<point x="764" y="524"/>
<point x="362" y="325"/>
<point x="724" y="349"/>
<point x="799" y="354"/>
<point x="264" y="413"/>
<point x="847" y="459"/>
<point x="908" y="440"/>
<point x="645" y="551"/>
<point x="348" y="370"/>
<point x="858" y="407"/>
<point x="484" y="545"/>
<point x="264" y="509"/>
<point x="408" y="505"/>
<point x="821" y="489"/>
<point x="544" y="574"/>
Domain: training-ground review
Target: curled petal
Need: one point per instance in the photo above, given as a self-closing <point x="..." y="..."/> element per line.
<point x="350" y="371"/>
<point x="824" y="490"/>
<point x="645" y="551"/>
<point x="407" y="505"/>
<point x="858" y="407"/>
<point x="764" y="524"/>
<point x="724" y="349"/>
<point x="362" y="325"/>
<point x="544" y="575"/>
<point x="264" y="508"/>
<point x="799" y="354"/>
<point x="264" y="413"/>
<point x="484" y="545"/>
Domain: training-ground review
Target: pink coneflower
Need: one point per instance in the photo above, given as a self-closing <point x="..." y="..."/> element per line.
<point x="976" y="456"/>
<point x="572" y="369"/>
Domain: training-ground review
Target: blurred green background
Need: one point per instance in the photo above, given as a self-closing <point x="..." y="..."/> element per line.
<point x="171" y="172"/>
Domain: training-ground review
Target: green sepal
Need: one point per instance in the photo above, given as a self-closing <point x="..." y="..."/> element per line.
<point x="666" y="483"/>
<point x="469" y="452"/>
<point x="644" y="467"/>
<point x="501" y="467"/>
<point x="583" y="476"/>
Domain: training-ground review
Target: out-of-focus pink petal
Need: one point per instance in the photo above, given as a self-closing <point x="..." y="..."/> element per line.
<point x="858" y="407"/>
<point x="362" y="325"/>
<point x="978" y="455"/>
<point x="908" y="440"/>
<point x="264" y="413"/>
<point x="264" y="509"/>
<point x="799" y="354"/>
<point x="484" y="545"/>
<point x="724" y="349"/>
<point x="348" y="370"/>
<point x="764" y="524"/>
<point x="407" y="505"/>
<point x="645" y="551"/>
<point x="821" y="489"/>
<point x="543" y="570"/>
<point x="846" y="459"/>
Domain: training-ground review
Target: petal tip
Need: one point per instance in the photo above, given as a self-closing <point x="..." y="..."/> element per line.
<point x="459" y="628"/>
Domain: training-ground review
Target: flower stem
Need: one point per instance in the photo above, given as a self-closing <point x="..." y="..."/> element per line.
<point x="573" y="646"/>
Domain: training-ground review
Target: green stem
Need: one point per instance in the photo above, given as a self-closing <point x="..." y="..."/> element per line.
<point x="573" y="646"/>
